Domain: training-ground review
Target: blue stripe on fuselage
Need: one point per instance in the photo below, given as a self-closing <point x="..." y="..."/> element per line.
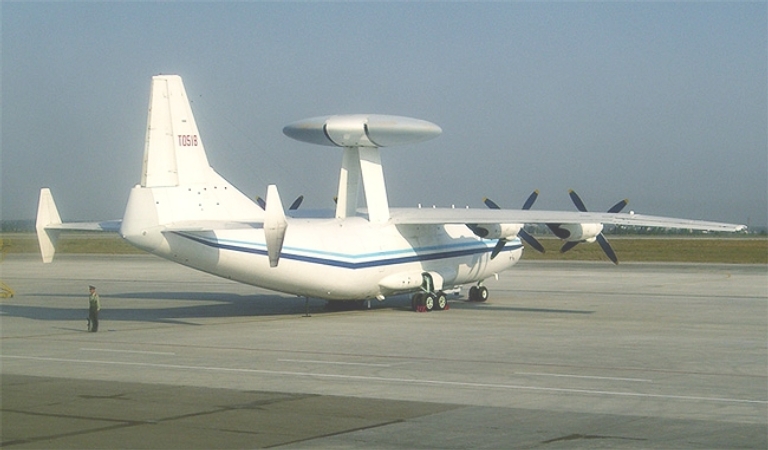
<point x="373" y="259"/>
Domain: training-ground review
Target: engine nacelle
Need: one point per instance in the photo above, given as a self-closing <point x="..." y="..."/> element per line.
<point x="576" y="232"/>
<point x="495" y="230"/>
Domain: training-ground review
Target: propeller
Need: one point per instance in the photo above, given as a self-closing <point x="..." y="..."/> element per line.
<point x="294" y="206"/>
<point x="296" y="203"/>
<point x="524" y="235"/>
<point x="600" y="238"/>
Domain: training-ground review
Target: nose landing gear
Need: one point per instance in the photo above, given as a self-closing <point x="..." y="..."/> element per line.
<point x="478" y="293"/>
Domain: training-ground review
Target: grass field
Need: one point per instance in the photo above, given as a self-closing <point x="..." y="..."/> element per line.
<point x="732" y="250"/>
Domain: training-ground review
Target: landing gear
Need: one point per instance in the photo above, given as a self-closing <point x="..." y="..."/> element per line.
<point x="422" y="302"/>
<point x="478" y="294"/>
<point x="441" y="302"/>
<point x="428" y="301"/>
<point x="416" y="300"/>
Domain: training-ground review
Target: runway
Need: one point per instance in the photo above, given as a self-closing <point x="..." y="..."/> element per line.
<point x="563" y="355"/>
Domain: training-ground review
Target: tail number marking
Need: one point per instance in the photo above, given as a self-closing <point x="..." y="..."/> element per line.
<point x="188" y="140"/>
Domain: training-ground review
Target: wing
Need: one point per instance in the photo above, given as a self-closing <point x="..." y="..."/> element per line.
<point x="417" y="216"/>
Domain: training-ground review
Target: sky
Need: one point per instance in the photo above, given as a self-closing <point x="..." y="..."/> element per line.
<point x="662" y="103"/>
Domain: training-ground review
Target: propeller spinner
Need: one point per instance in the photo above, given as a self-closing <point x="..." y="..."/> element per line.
<point x="524" y="235"/>
<point x="600" y="238"/>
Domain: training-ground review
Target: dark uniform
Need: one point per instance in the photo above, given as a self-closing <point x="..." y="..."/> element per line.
<point x="94" y="306"/>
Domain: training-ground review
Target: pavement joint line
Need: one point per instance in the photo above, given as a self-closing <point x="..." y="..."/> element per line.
<point x="117" y="424"/>
<point x="338" y="433"/>
<point x="460" y="384"/>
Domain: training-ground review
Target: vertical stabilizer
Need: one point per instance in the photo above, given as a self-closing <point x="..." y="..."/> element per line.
<point x="177" y="182"/>
<point x="47" y="215"/>
<point x="173" y="154"/>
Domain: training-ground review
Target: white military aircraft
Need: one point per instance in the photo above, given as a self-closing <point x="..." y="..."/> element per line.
<point x="184" y="211"/>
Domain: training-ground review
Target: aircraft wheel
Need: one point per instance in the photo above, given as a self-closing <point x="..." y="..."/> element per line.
<point x="417" y="300"/>
<point x="440" y="301"/>
<point x="473" y="294"/>
<point x="429" y="302"/>
<point x="482" y="293"/>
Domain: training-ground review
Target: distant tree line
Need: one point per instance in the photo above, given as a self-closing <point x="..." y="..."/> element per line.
<point x="17" y="226"/>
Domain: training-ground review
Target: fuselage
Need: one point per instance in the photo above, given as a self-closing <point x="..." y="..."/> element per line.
<point x="339" y="259"/>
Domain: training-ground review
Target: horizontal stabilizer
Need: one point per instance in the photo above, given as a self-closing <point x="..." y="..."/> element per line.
<point x="105" y="226"/>
<point x="49" y="225"/>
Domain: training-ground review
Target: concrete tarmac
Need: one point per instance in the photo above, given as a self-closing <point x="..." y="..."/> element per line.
<point x="563" y="355"/>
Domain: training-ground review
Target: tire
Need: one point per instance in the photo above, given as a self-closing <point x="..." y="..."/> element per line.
<point x="482" y="294"/>
<point x="440" y="301"/>
<point x="429" y="302"/>
<point x="473" y="294"/>
<point x="417" y="300"/>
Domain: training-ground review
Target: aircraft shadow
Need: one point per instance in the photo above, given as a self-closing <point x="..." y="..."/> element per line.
<point x="404" y="303"/>
<point x="465" y="304"/>
<point x="118" y="307"/>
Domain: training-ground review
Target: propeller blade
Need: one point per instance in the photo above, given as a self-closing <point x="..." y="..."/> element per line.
<point x="618" y="206"/>
<point x="477" y="229"/>
<point x="532" y="241"/>
<point x="499" y="246"/>
<point x="577" y="200"/>
<point x="607" y="248"/>
<point x="490" y="203"/>
<point x="260" y="201"/>
<point x="568" y="245"/>
<point x="600" y="238"/>
<point x="531" y="198"/>
<point x="296" y="203"/>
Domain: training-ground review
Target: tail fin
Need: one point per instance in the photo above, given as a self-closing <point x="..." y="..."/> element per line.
<point x="47" y="215"/>
<point x="174" y="154"/>
<point x="177" y="183"/>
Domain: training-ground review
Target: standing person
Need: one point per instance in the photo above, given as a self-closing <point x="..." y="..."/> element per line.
<point x="94" y="306"/>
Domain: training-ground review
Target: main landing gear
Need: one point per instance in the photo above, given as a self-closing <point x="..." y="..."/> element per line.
<point x="429" y="301"/>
